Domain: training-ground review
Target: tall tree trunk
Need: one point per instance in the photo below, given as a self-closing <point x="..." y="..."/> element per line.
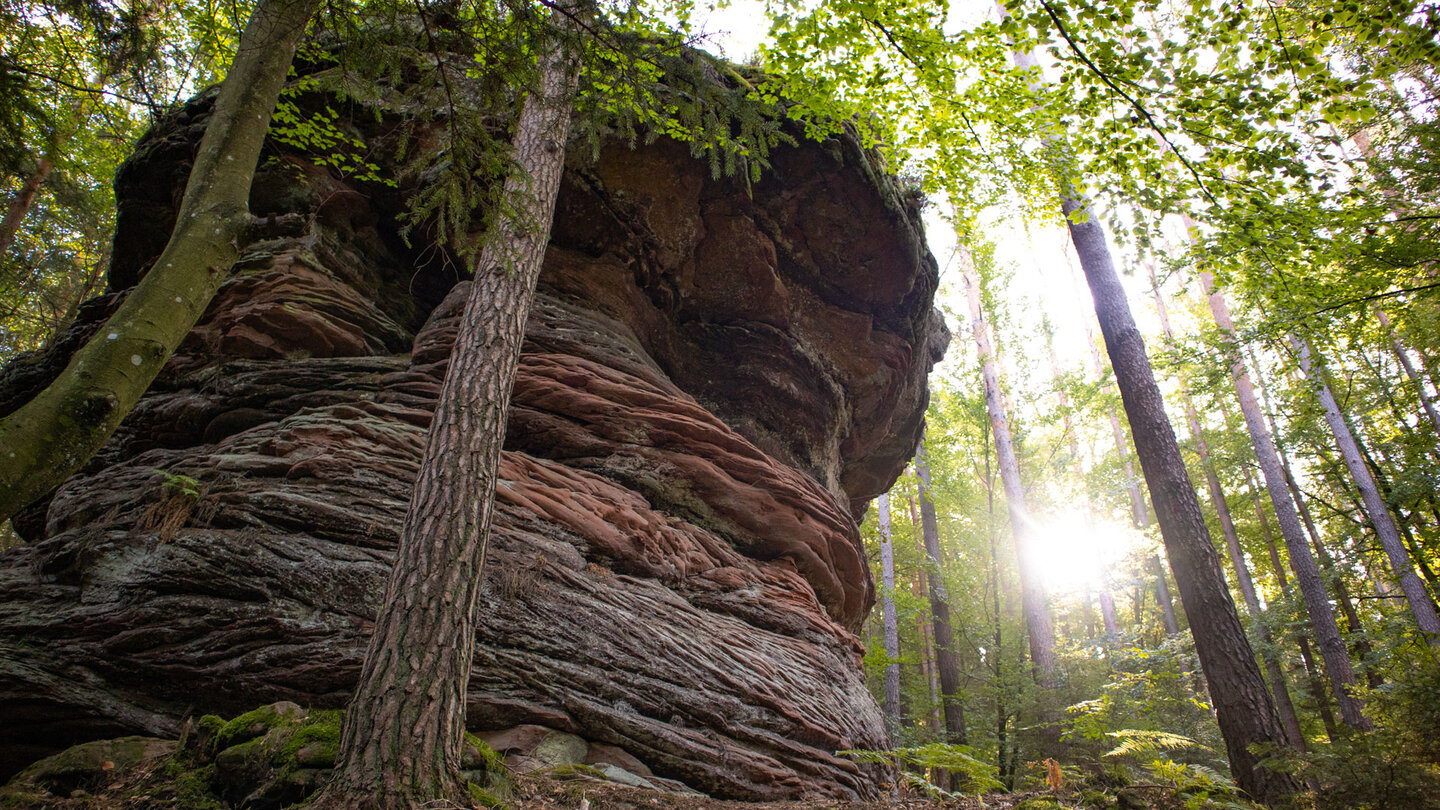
<point x="1162" y="596"/>
<point x="21" y="201"/>
<point x="1307" y="574"/>
<point x="1314" y="679"/>
<point x="57" y="432"/>
<point x="892" y="627"/>
<point x="1244" y="708"/>
<point x="1427" y="403"/>
<point x="1107" y="613"/>
<point x="403" y="733"/>
<point x="1033" y="599"/>
<point x="932" y="675"/>
<point x="1400" y="563"/>
<point x="1273" y="669"/>
<point x="1359" y="645"/>
<point x="947" y="667"/>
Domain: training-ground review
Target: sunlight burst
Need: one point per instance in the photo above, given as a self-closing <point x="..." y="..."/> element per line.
<point x="1072" y="552"/>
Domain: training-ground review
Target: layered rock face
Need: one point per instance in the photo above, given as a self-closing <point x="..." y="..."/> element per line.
<point x="716" y="380"/>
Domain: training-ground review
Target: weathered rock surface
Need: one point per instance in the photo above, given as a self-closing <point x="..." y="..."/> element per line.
<point x="714" y="385"/>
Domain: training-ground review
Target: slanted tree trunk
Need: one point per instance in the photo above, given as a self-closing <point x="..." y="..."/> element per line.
<point x="1312" y="587"/>
<point x="1273" y="669"/>
<point x="1403" y="357"/>
<point x="49" y="438"/>
<point x="1033" y="599"/>
<point x="1139" y="515"/>
<point x="947" y="667"/>
<point x="1350" y="452"/>
<point x="1243" y="706"/>
<point x="892" y="627"/>
<point x="1359" y="646"/>
<point x="403" y="734"/>
<point x="1314" y="680"/>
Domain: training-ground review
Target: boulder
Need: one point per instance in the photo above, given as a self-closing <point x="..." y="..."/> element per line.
<point x="717" y="378"/>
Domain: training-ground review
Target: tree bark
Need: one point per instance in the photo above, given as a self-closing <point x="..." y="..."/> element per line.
<point x="404" y="729"/>
<point x="947" y="668"/>
<point x="932" y="677"/>
<point x="1403" y="357"/>
<point x="1302" y="562"/>
<point x="1313" y="678"/>
<point x="53" y="435"/>
<point x="1033" y="599"/>
<point x="1243" y="706"/>
<point x="1274" y="671"/>
<point x="892" y="627"/>
<point x="21" y="202"/>
<point x="1359" y="645"/>
<point x="1350" y="452"/>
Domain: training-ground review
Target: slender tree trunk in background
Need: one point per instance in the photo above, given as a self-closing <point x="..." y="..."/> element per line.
<point x="21" y="202"/>
<point x="892" y="627"/>
<point x="1107" y="613"/>
<point x="1312" y="586"/>
<point x="1359" y="645"/>
<point x="1274" y="671"/>
<point x="932" y="675"/>
<point x="1033" y="599"/>
<point x="1243" y="706"/>
<point x="1315" y="681"/>
<point x="57" y="432"/>
<point x="1162" y="596"/>
<point x="946" y="666"/>
<point x="404" y="730"/>
<point x="1400" y="563"/>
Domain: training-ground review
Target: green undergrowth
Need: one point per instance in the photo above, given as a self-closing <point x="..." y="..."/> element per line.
<point x="272" y="757"/>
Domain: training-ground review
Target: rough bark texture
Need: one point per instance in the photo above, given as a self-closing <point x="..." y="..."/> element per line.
<point x="1035" y="603"/>
<point x="947" y="667"/>
<point x="715" y="382"/>
<point x="1302" y="562"/>
<point x="1243" y="707"/>
<point x="1273" y="669"/>
<point x="417" y="666"/>
<point x="1378" y="512"/>
<point x="67" y="423"/>
<point x="892" y="626"/>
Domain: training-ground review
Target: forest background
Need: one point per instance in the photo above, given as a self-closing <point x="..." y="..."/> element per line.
<point x="1286" y="152"/>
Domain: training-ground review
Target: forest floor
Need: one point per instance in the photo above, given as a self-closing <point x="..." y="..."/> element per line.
<point x="543" y="793"/>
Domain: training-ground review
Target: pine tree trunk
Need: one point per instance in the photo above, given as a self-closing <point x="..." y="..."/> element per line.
<point x="1400" y="563"/>
<point x="403" y="734"/>
<point x="1403" y="357"/>
<point x="1302" y="562"/>
<point x="1243" y="706"/>
<point x="53" y="435"/>
<point x="892" y="627"/>
<point x="1033" y="599"/>
<point x="947" y="668"/>
<point x="1273" y="669"/>
<point x="21" y="202"/>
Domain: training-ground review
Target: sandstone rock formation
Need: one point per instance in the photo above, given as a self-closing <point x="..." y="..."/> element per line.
<point x="716" y="381"/>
